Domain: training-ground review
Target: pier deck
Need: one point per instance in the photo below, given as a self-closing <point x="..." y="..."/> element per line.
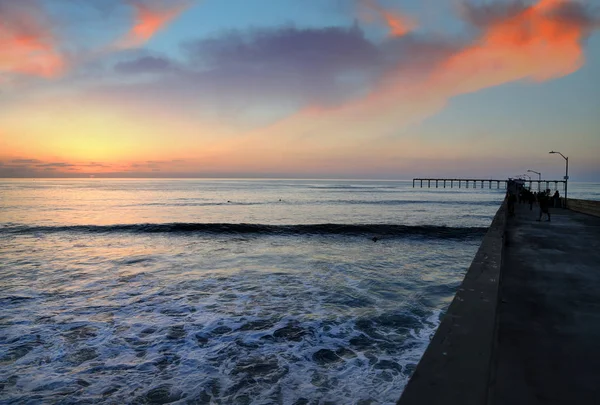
<point x="548" y="337"/>
<point x="483" y="183"/>
<point x="524" y="326"/>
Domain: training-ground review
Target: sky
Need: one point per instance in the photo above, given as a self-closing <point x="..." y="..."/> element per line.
<point x="377" y="89"/>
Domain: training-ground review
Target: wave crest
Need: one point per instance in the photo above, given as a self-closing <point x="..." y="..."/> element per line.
<point x="384" y="230"/>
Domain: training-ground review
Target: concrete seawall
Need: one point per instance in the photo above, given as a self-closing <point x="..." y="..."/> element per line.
<point x="455" y="368"/>
<point x="585" y="206"/>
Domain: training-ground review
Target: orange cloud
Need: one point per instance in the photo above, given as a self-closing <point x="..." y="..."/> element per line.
<point x="150" y="17"/>
<point x="539" y="42"/>
<point x="27" y="43"/>
<point x="398" y="24"/>
<point x="29" y="46"/>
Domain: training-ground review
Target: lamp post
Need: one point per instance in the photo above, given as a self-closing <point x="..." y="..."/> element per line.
<point x="539" y="178"/>
<point x="521" y="176"/>
<point x="528" y="176"/>
<point x="566" y="173"/>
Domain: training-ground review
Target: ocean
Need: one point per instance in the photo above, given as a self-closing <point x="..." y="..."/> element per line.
<point x="227" y="291"/>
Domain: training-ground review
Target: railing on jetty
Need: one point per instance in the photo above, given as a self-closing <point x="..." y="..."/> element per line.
<point x="483" y="182"/>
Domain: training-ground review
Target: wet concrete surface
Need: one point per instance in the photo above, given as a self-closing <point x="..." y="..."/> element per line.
<point x="548" y="330"/>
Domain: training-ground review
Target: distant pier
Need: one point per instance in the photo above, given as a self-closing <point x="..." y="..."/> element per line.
<point x="481" y="182"/>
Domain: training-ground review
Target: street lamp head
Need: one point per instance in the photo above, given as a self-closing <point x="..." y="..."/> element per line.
<point x="566" y="158"/>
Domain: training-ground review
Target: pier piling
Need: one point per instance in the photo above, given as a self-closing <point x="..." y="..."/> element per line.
<point x="444" y="182"/>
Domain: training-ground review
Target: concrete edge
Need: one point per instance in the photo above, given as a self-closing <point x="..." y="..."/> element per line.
<point x="493" y="364"/>
<point x="456" y="366"/>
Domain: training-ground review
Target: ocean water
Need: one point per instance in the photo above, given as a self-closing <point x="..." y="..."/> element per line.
<point x="227" y="291"/>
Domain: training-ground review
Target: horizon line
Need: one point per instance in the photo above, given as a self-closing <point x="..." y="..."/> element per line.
<point x="269" y="178"/>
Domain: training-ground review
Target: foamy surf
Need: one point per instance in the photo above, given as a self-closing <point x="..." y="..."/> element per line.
<point x="192" y="318"/>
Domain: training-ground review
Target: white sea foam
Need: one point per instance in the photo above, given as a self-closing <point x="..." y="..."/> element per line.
<point x="316" y="326"/>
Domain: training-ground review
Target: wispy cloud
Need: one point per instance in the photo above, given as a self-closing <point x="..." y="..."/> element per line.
<point x="515" y="42"/>
<point x="56" y="165"/>
<point x="28" y="44"/>
<point x="538" y="42"/>
<point x="398" y="23"/>
<point x="150" y="16"/>
<point x="25" y="161"/>
<point x="144" y="64"/>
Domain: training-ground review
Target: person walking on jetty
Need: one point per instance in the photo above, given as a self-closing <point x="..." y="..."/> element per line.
<point x="544" y="201"/>
<point x="511" y="199"/>
<point x="530" y="199"/>
<point x="556" y="198"/>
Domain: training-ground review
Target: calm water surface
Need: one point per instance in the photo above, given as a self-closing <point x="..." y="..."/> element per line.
<point x="229" y="291"/>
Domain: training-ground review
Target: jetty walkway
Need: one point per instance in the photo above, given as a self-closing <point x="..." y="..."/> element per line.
<point x="524" y="327"/>
<point x="548" y="338"/>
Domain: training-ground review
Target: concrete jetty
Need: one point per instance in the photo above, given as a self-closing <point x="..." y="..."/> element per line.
<point x="523" y="328"/>
<point x="548" y="340"/>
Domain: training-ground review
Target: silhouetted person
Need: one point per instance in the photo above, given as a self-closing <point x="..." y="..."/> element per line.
<point x="544" y="200"/>
<point x="530" y="199"/>
<point x="512" y="199"/>
<point x="556" y="198"/>
<point x="522" y="192"/>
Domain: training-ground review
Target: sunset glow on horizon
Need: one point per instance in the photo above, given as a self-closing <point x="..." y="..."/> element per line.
<point x="355" y="89"/>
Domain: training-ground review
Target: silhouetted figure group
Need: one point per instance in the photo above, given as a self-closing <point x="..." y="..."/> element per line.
<point x="528" y="197"/>
<point x="518" y="194"/>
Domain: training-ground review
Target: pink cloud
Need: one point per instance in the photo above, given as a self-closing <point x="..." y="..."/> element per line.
<point x="398" y="24"/>
<point x="30" y="45"/>
<point x="149" y="18"/>
<point x="27" y="42"/>
<point x="540" y="42"/>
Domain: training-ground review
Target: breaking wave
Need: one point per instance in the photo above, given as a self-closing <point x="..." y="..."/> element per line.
<point x="386" y="230"/>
